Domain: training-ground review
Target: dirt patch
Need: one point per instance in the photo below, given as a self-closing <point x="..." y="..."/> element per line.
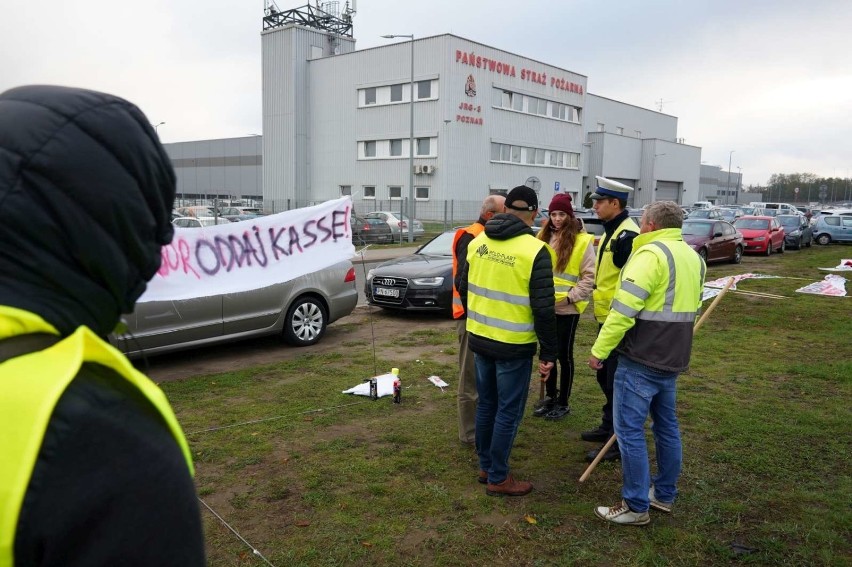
<point x="365" y="326"/>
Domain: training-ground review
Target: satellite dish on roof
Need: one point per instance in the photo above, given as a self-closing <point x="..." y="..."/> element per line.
<point x="533" y="183"/>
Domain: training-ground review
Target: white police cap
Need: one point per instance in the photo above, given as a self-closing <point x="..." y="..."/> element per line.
<point x="609" y="189"/>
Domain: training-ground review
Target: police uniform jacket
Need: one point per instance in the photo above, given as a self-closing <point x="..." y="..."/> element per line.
<point x="656" y="303"/>
<point x="531" y="286"/>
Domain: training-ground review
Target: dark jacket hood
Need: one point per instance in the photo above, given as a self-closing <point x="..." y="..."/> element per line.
<point x="86" y="191"/>
<point x="504" y="226"/>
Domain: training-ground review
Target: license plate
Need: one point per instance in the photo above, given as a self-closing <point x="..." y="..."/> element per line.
<point x="387" y="292"/>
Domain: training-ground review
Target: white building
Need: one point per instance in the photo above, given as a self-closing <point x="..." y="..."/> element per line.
<point x="339" y="121"/>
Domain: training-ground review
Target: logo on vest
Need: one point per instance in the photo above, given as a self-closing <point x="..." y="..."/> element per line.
<point x="482" y="250"/>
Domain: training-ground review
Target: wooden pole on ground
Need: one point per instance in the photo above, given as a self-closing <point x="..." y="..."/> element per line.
<point x="697" y="326"/>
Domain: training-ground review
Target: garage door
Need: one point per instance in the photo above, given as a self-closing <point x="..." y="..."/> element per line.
<point x="668" y="191"/>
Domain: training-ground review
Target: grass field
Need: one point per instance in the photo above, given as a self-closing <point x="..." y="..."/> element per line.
<point x="309" y="476"/>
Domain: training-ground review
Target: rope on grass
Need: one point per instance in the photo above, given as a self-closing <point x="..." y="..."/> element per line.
<point x="254" y="550"/>
<point x="254" y="421"/>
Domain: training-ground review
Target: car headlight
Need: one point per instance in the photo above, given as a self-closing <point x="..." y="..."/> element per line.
<point x="370" y="275"/>
<point x="796" y="233"/>
<point x="759" y="238"/>
<point x="429" y="282"/>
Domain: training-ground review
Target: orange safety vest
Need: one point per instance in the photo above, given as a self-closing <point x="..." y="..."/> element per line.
<point x="475" y="229"/>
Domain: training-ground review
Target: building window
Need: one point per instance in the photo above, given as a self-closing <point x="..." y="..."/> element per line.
<point x="421" y="193"/>
<point x="345" y="190"/>
<point x="516" y="154"/>
<point x="600" y="127"/>
<point x="396" y="147"/>
<point x="395" y="192"/>
<point x="369" y="191"/>
<point x="396" y="93"/>
<point x="517" y="102"/>
<point x="619" y="130"/>
<point x="423" y="146"/>
<point x="495" y="151"/>
<point x="539" y="157"/>
<point x="370" y="149"/>
<point x="424" y="89"/>
<point x="370" y="96"/>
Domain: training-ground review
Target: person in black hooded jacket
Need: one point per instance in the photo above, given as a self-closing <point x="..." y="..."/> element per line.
<point x="506" y="287"/>
<point x="95" y="469"/>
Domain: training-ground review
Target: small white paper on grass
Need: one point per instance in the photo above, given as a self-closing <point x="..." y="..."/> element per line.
<point x="438" y="382"/>
<point x="384" y="383"/>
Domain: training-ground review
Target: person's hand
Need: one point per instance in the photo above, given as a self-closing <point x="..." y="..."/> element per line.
<point x="595" y="363"/>
<point x="544" y="368"/>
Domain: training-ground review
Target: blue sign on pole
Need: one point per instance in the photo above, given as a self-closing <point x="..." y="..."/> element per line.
<point x="556" y="186"/>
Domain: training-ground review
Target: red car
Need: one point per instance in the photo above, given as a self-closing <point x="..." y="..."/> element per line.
<point x="762" y="234"/>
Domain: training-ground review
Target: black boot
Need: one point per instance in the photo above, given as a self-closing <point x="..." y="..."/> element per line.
<point x="543" y="407"/>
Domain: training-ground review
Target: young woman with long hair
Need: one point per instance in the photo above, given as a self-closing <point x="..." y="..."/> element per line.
<point x="574" y="279"/>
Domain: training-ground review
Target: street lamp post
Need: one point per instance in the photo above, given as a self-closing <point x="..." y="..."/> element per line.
<point x="157" y="126"/>
<point x="411" y="210"/>
<point x="728" y="186"/>
<point x="739" y="183"/>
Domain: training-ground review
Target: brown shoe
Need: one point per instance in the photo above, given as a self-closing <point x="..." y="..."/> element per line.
<point x="483" y="477"/>
<point x="509" y="487"/>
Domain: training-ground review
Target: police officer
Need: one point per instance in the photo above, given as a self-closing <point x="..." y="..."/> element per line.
<point x="492" y="205"/>
<point x="650" y="328"/>
<point x="94" y="468"/>
<point x="610" y="204"/>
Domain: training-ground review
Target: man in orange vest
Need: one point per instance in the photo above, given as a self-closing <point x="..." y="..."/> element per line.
<point x="467" y="396"/>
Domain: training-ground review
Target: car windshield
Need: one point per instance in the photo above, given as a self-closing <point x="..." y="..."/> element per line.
<point x="752" y="224"/>
<point x="789" y="221"/>
<point x="697" y="228"/>
<point x="700" y="213"/>
<point x="441" y="245"/>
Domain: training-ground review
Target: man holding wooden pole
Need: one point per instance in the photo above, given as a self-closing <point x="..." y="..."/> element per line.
<point x="650" y="327"/>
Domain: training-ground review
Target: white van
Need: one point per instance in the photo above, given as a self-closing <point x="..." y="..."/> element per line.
<point x="702" y="205"/>
<point x="781" y="208"/>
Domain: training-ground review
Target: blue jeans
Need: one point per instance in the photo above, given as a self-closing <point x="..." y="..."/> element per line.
<point x="638" y="391"/>
<point x="503" y="387"/>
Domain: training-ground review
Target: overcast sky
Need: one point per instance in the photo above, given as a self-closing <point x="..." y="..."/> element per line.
<point x="769" y="79"/>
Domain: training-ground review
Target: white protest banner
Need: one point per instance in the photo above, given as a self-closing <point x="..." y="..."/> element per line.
<point x="832" y="285"/>
<point x="237" y="257"/>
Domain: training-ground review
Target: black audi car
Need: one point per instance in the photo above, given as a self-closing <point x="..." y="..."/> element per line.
<point x="422" y="281"/>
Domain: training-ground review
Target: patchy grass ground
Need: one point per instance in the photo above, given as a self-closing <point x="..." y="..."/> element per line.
<point x="310" y="476"/>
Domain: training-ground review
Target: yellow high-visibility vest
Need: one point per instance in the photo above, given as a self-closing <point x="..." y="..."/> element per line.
<point x="564" y="281"/>
<point x="498" y="287"/>
<point x="606" y="273"/>
<point x="30" y="387"/>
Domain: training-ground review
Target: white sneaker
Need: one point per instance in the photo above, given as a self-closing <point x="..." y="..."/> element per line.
<point x="658" y="504"/>
<point x="622" y="514"/>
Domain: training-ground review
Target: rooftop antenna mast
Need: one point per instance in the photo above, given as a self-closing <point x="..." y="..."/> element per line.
<point x="660" y="104"/>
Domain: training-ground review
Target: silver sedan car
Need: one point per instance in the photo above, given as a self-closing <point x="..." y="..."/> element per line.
<point x="299" y="310"/>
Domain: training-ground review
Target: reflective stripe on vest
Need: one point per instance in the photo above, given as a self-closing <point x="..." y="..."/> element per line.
<point x="475" y="230"/>
<point x="30" y="387"/>
<point x="564" y="281"/>
<point x="667" y="314"/>
<point x="498" y="304"/>
<point x="606" y="273"/>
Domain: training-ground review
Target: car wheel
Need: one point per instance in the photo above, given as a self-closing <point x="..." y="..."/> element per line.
<point x="703" y="253"/>
<point x="783" y="247"/>
<point x="306" y="322"/>
<point x="769" y="248"/>
<point x="823" y="239"/>
<point x="738" y="255"/>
